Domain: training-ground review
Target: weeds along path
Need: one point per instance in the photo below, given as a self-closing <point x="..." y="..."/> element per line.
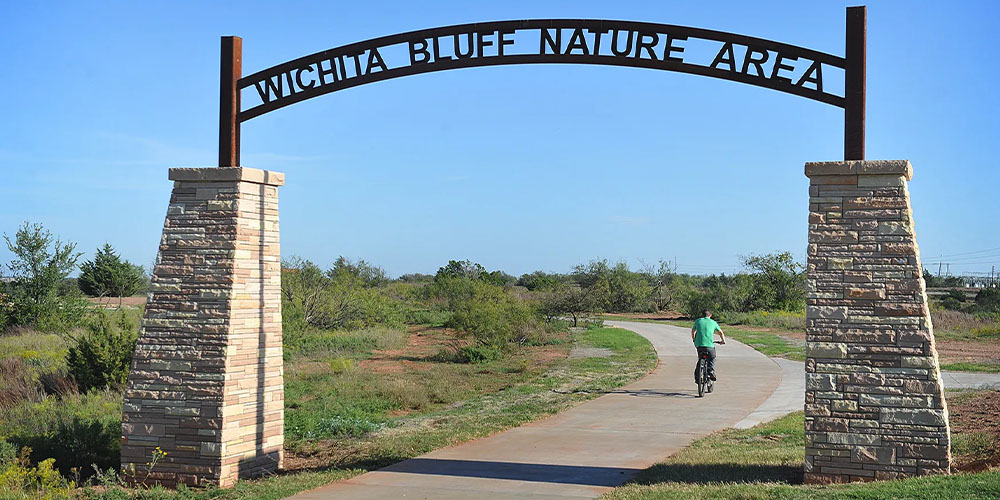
<point x="590" y="448"/>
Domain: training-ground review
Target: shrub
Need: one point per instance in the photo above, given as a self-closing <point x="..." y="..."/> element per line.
<point x="77" y="430"/>
<point x="40" y="266"/>
<point x="479" y="354"/>
<point x="103" y="353"/>
<point x="488" y="313"/>
<point x="952" y="304"/>
<point x="988" y="300"/>
<point x="429" y="317"/>
<point x="19" y="479"/>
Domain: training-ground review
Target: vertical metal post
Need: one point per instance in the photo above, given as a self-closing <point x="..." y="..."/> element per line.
<point x="229" y="101"/>
<point x="854" y="84"/>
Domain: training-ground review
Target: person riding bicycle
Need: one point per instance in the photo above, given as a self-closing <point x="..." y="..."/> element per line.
<point x="703" y="335"/>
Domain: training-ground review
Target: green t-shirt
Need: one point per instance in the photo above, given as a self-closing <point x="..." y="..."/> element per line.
<point x="704" y="332"/>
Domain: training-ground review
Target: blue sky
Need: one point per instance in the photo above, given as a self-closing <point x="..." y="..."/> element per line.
<point x="518" y="167"/>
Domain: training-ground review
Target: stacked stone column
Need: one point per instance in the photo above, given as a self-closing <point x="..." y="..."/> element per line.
<point x="875" y="405"/>
<point x="206" y="381"/>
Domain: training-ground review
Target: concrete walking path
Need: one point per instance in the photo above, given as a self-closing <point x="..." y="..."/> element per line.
<point x="790" y="395"/>
<point x="588" y="449"/>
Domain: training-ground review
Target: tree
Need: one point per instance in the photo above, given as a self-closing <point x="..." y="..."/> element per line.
<point x="338" y="298"/>
<point x="368" y="275"/>
<point x="573" y="301"/>
<point x="40" y="266"/>
<point x="660" y="278"/>
<point x="779" y="281"/>
<point x="539" y="281"/>
<point x="461" y="269"/>
<point x="107" y="275"/>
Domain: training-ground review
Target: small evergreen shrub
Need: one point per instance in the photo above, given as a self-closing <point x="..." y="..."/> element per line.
<point x="103" y="353"/>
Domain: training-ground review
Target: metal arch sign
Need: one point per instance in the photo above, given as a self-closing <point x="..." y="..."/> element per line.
<point x="765" y="63"/>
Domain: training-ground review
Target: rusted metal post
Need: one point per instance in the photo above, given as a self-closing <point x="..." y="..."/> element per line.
<point x="229" y="101"/>
<point x="854" y="84"/>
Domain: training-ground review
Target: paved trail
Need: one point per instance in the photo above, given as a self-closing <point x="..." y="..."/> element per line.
<point x="585" y="450"/>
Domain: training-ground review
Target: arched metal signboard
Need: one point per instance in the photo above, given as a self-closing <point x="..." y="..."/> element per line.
<point x="789" y="68"/>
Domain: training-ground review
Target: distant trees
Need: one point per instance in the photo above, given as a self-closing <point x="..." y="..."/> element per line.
<point x="107" y="275"/>
<point x="778" y="283"/>
<point x="41" y="264"/>
<point x="346" y="296"/>
<point x="540" y="281"/>
<point x="471" y="270"/>
<point x="568" y="300"/>
<point x="615" y="288"/>
<point x="933" y="281"/>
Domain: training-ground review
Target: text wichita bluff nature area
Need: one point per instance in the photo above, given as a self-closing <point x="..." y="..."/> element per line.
<point x="619" y="43"/>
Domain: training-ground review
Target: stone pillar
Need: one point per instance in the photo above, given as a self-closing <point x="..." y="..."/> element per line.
<point x="206" y="381"/>
<point x="875" y="406"/>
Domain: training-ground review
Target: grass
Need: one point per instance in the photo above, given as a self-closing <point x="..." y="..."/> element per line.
<point x="768" y="343"/>
<point x="765" y="462"/>
<point x="981" y="367"/>
<point x="958" y="325"/>
<point x="342" y="424"/>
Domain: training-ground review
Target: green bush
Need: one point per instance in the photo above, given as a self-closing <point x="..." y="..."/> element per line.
<point x="488" y="313"/>
<point x="102" y="355"/>
<point x="20" y="480"/>
<point x="479" y="354"/>
<point x="952" y="304"/>
<point x="76" y="430"/>
<point x="429" y="317"/>
<point x="988" y="300"/>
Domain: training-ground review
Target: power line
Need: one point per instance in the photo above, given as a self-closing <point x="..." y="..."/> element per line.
<point x="969" y="253"/>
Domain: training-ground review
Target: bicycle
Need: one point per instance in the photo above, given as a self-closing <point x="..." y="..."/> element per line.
<point x="705" y="383"/>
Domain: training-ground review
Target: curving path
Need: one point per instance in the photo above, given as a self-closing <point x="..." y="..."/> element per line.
<point x="585" y="450"/>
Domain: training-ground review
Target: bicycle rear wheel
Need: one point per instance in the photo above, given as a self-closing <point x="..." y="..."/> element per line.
<point x="702" y="377"/>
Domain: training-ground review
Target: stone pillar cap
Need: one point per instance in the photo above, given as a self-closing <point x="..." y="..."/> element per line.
<point x="212" y="174"/>
<point x="860" y="167"/>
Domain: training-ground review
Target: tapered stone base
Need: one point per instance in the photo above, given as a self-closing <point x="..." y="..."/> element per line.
<point x="206" y="384"/>
<point x="875" y="406"/>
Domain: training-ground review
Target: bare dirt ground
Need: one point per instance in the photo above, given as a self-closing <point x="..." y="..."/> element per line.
<point x="977" y="412"/>
<point x="969" y="351"/>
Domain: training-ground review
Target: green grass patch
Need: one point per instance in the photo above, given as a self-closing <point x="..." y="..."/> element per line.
<point x="768" y="343"/>
<point x="983" y="367"/>
<point x="765" y="462"/>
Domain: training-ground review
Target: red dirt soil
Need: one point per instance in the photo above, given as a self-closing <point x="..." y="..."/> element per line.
<point x="979" y="412"/>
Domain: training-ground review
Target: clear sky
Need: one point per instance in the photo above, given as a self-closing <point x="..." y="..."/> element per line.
<point x="517" y="167"/>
